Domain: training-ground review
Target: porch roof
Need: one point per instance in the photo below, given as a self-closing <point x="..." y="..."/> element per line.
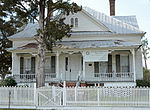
<point x="95" y="44"/>
<point x="82" y="44"/>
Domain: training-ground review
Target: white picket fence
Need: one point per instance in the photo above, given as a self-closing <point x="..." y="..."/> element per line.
<point x="74" y="97"/>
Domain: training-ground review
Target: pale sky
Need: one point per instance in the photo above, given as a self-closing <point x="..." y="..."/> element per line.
<point x="140" y="8"/>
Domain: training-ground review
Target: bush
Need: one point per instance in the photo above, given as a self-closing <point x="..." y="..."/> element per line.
<point x="9" y="81"/>
<point x="143" y="83"/>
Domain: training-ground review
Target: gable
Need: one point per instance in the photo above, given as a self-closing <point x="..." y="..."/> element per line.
<point x="113" y="24"/>
<point x="85" y="23"/>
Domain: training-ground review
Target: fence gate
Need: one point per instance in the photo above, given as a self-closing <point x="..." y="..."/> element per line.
<point x="49" y="97"/>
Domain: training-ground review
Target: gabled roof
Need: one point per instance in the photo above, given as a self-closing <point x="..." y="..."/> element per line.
<point x="116" y="25"/>
<point x="128" y="19"/>
<point x="29" y="31"/>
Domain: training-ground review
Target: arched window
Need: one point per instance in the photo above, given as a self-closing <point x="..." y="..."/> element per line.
<point x="76" y="22"/>
<point x="72" y="22"/>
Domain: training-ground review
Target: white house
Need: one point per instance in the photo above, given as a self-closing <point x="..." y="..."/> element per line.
<point x="102" y="49"/>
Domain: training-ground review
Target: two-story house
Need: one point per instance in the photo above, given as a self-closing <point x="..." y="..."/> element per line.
<point x="102" y="49"/>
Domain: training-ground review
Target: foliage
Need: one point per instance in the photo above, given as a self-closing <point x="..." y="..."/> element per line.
<point x="143" y="83"/>
<point x="54" y="27"/>
<point x="145" y="50"/>
<point x="51" y="29"/>
<point x="8" y="26"/>
<point x="9" y="81"/>
<point x="146" y="74"/>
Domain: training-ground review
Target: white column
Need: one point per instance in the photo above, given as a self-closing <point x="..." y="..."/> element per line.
<point x="57" y="65"/>
<point x="83" y="69"/>
<point x="133" y="53"/>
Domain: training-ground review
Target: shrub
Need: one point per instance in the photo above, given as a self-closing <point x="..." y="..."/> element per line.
<point x="143" y="83"/>
<point x="9" y="81"/>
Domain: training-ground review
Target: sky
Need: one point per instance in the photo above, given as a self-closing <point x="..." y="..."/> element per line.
<point x="140" y="8"/>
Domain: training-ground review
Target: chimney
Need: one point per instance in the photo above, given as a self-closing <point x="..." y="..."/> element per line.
<point x="112" y="7"/>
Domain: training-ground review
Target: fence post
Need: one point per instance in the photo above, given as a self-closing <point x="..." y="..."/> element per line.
<point x="98" y="94"/>
<point x="75" y="93"/>
<point x="64" y="94"/>
<point x="15" y="95"/>
<point x="35" y="96"/>
<point x="9" y="101"/>
<point x="54" y="93"/>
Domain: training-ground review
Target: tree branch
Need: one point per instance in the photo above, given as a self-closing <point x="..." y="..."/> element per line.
<point x="27" y="11"/>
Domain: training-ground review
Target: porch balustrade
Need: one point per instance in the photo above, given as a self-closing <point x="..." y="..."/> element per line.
<point x="27" y="78"/>
<point x="115" y="77"/>
<point x="75" y="76"/>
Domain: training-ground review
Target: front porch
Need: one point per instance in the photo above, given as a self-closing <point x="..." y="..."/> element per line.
<point x="72" y="66"/>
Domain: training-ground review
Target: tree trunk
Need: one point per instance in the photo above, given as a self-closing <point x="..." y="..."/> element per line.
<point x="40" y="78"/>
<point x="145" y="63"/>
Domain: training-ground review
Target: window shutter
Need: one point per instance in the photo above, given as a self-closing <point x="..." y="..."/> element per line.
<point x="117" y="63"/>
<point x="33" y="65"/>
<point x="21" y="65"/>
<point x="53" y="63"/>
<point x="109" y="63"/>
<point x="96" y="67"/>
<point x="128" y="63"/>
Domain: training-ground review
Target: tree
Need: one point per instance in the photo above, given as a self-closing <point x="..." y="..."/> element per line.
<point x="51" y="29"/>
<point x="145" y="51"/>
<point x="7" y="27"/>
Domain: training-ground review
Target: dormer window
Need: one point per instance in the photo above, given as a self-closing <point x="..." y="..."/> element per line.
<point x="74" y="22"/>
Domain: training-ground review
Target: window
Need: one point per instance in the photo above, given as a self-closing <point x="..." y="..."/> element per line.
<point x="72" y="22"/>
<point x="122" y="63"/>
<point x="27" y="65"/>
<point x="47" y="66"/>
<point x="76" y="22"/>
<point x="103" y="67"/>
<point x="50" y="65"/>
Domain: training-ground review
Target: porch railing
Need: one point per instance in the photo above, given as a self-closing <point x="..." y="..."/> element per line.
<point x="23" y="78"/>
<point x="108" y="77"/>
<point x="126" y="76"/>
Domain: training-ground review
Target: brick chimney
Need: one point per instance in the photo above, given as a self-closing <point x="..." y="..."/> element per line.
<point x="112" y="7"/>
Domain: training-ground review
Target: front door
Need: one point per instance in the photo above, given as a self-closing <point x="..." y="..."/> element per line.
<point x="72" y="67"/>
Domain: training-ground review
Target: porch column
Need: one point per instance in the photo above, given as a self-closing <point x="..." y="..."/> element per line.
<point x="83" y="69"/>
<point x="57" y="65"/>
<point x="133" y="53"/>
